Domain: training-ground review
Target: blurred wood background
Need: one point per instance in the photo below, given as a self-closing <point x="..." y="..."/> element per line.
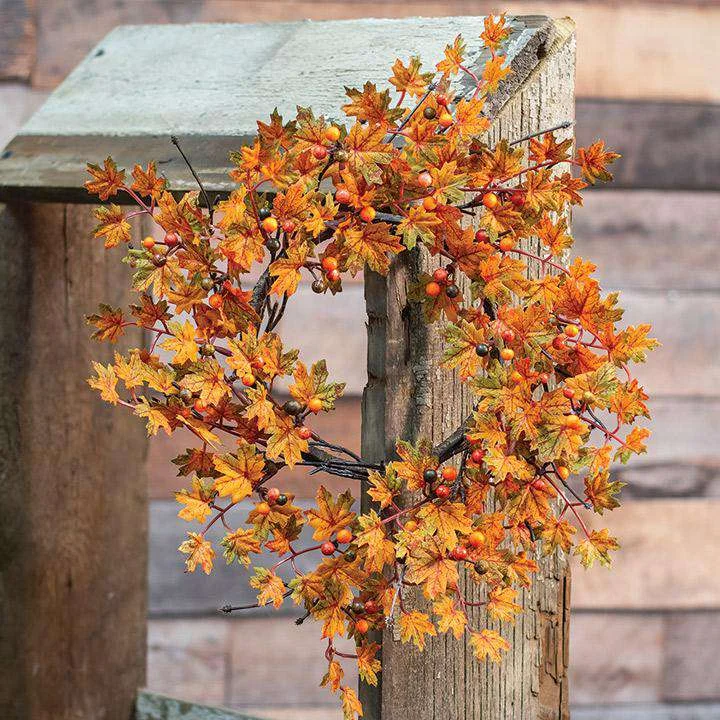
<point x="644" y="636"/>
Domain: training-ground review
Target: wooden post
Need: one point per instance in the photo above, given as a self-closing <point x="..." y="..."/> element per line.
<point x="73" y="512"/>
<point x="408" y="397"/>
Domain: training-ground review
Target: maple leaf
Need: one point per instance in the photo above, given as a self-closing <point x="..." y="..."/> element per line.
<point x="488" y="644"/>
<point x="557" y="534"/>
<point x="446" y="520"/>
<point x="450" y="617"/>
<point x="631" y="344"/>
<point x="367" y="151"/>
<point x="601" y="492"/>
<point x="195" y="502"/>
<point x="417" y="225"/>
<point x="546" y="148"/>
<point x="105" y="382"/>
<point x="429" y="565"/>
<point x="271" y="587"/>
<point x="379" y="550"/>
<point x="371" y="106"/>
<point x="601" y="384"/>
<point x="494" y="73"/>
<point x="333" y="677"/>
<point x="500" y="277"/>
<point x="415" y="626"/>
<point x="286" y="271"/>
<point x="557" y="439"/>
<point x="461" y="339"/>
<point x="415" y="459"/>
<point x="368" y="664"/>
<point x="199" y="428"/>
<point x="260" y="408"/>
<point x="330" y="515"/>
<point x="469" y="120"/>
<point x="149" y="312"/>
<point x="634" y="444"/>
<point x="185" y="295"/>
<point x="369" y="244"/>
<point x="314" y="385"/>
<point x="147" y="182"/>
<point x="554" y="235"/>
<point x="495" y="32"/>
<point x="285" y="442"/>
<point x="109" y="323"/>
<point x="380" y="490"/>
<point x="409" y="79"/>
<point x="238" y="546"/>
<point x="130" y="371"/>
<point x="594" y="161"/>
<point x="501" y="604"/>
<point x="454" y="57"/>
<point x="239" y="471"/>
<point x="182" y="342"/>
<point x="628" y="402"/>
<point x="597" y="547"/>
<point x="155" y="416"/>
<point x="199" y="551"/>
<point x="113" y="225"/>
<point x="108" y="179"/>
<point x="207" y="378"/>
<point x="330" y="608"/>
<point x="351" y="705"/>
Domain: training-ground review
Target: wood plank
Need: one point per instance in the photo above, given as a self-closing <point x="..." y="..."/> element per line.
<point x="667" y="558"/>
<point x="664" y="145"/>
<point x="153" y="706"/>
<point x="17" y="39"/>
<point x="73" y="514"/>
<point x="18" y="102"/>
<point x="654" y="711"/>
<point x="660" y="249"/>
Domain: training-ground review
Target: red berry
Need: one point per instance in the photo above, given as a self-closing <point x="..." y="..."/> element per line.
<point x="569" y="393"/>
<point x="371" y="607"/>
<point x="442" y="99"/>
<point x="433" y="289"/>
<point x="508" y="336"/>
<point x="328" y="548"/>
<point x="425" y="179"/>
<point x="538" y="484"/>
<point x="442" y="492"/>
<point x="517" y="199"/>
<point x="272" y="494"/>
<point x="559" y="342"/>
<point x="304" y="432"/>
<point x="459" y="552"/>
<point x="490" y="200"/>
<point x="477" y="456"/>
<point x="449" y="473"/>
<point x="440" y="275"/>
<point x="333" y="275"/>
<point x="319" y="152"/>
<point x="171" y="239"/>
<point x="329" y="263"/>
<point x="481" y="236"/>
<point x="544" y="378"/>
<point x="342" y="196"/>
<point x="288" y="226"/>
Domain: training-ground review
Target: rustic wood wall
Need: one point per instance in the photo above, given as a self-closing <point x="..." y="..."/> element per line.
<point x="648" y="82"/>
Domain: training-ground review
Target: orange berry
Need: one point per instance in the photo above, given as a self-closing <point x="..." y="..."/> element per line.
<point x="559" y="342"/>
<point x="459" y="552"/>
<point x="490" y="200"/>
<point x="506" y="244"/>
<point x="476" y="539"/>
<point x="429" y="203"/>
<point x="442" y="99"/>
<point x="344" y="536"/>
<point x="569" y="393"/>
<point x="507" y="354"/>
<point x="368" y="213"/>
<point x="362" y="626"/>
<point x="272" y="494"/>
<point x="148" y="242"/>
<point x="329" y="263"/>
<point x="315" y="405"/>
<point x="410" y="526"/>
<point x="425" y="179"/>
<point x="200" y="406"/>
<point x="507" y="335"/>
<point x="304" y="432"/>
<point x="563" y="472"/>
<point x="333" y="275"/>
<point x="538" y="484"/>
<point x="433" y="289"/>
<point x="516" y="377"/>
<point x="262" y="508"/>
<point x="440" y="275"/>
<point x="328" y="548"/>
<point x="288" y="226"/>
<point x="572" y="330"/>
<point x="332" y="133"/>
<point x="248" y="380"/>
<point x="342" y="196"/>
<point x="371" y="607"/>
<point x="269" y="224"/>
<point x="445" y="120"/>
<point x="449" y="473"/>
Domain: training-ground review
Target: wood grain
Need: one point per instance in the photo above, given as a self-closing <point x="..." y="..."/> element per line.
<point x="17" y="39"/>
<point x="73" y="520"/>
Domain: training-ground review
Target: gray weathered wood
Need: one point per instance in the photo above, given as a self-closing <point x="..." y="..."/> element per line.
<point x="649" y="711"/>
<point x="73" y="522"/>
<point x="17" y="39"/>
<point x="406" y="397"/>
<point x="122" y="99"/>
<point x="152" y="706"/>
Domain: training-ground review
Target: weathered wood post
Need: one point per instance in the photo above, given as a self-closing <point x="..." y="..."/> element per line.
<point x="407" y="396"/>
<point x="73" y="511"/>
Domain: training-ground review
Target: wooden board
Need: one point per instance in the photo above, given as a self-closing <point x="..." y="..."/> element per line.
<point x="73" y="520"/>
<point x="17" y="39"/>
<point x="152" y="706"/>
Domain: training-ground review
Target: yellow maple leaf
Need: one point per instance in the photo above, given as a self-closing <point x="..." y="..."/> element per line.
<point x="105" y="382"/>
<point x="182" y="342"/>
<point x="379" y="549"/>
<point x="330" y="515"/>
<point x="285" y="442"/>
<point x="597" y="547"/>
<point x="240" y="471"/>
<point x="270" y="585"/>
<point x="113" y="226"/>
<point x="501" y="604"/>
<point x="351" y="704"/>
<point x="428" y="565"/>
<point x="446" y="520"/>
<point x="107" y="179"/>
<point x="449" y="616"/>
<point x="207" y="378"/>
<point x="195" y="502"/>
<point x="488" y="644"/>
<point x="416" y="626"/>
<point x="557" y="534"/>
<point x="239" y="544"/>
<point x="199" y="551"/>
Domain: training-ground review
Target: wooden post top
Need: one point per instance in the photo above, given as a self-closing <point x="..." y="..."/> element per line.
<point x="209" y="84"/>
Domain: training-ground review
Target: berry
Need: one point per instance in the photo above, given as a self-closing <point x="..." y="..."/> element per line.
<point x="292" y="407"/>
<point x="517" y="199"/>
<point x="516" y="377"/>
<point x="357" y="606"/>
<point x="429" y="203"/>
<point x="258" y="363"/>
<point x="362" y="626"/>
<point x="328" y="548"/>
<point x="425" y="179"/>
<point x="262" y="508"/>
<point x="563" y="472"/>
<point x="282" y="500"/>
<point x="185" y="395"/>
<point x="318" y="286"/>
<point x="569" y="393"/>
<point x="367" y="213"/>
<point x="342" y="196"/>
<point x="507" y="354"/>
<point x="272" y="495"/>
<point x="572" y="330"/>
<point x="332" y="133"/>
<point x="315" y="405"/>
<point x="329" y="263"/>
<point x="269" y="224"/>
<point x="538" y="484"/>
<point x="148" y="242"/>
<point x="588" y="397"/>
<point x="319" y="152"/>
<point x="272" y="245"/>
<point x="452" y="291"/>
<point x="481" y="236"/>
<point x="207" y="283"/>
<point x="481" y="567"/>
<point x="445" y="120"/>
<point x="544" y="378"/>
<point x="482" y="350"/>
<point x="429" y="113"/>
<point x="559" y="342"/>
<point x="341" y="156"/>
<point x="207" y="349"/>
<point x="449" y="473"/>
<point x="288" y="226"/>
<point x="264" y="212"/>
<point x="171" y="239"/>
<point x="159" y="261"/>
<point x="333" y="275"/>
<point x="430" y="475"/>
<point x="507" y="335"/>
<point x="490" y="200"/>
<point x="410" y="526"/>
<point x="248" y="380"/>
<point x="477" y="456"/>
<point x="476" y="538"/>
<point x="440" y="275"/>
<point x="459" y="552"/>
<point x="442" y="492"/>
<point x="506" y="244"/>
<point x="200" y="406"/>
<point x="371" y="607"/>
<point x="304" y="432"/>
<point x="433" y="289"/>
<point x="344" y="536"/>
<point x="442" y="99"/>
<point x="349" y="555"/>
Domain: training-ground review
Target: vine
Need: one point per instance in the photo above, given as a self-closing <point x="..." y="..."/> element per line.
<point x="544" y="358"/>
